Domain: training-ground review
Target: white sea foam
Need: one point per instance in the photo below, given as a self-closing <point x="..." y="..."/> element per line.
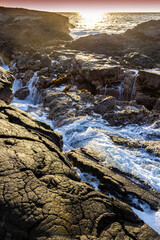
<point x="88" y="177"/>
<point x="150" y="217"/>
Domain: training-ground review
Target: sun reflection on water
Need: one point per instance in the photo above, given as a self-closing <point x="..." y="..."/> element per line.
<point x="91" y="18"/>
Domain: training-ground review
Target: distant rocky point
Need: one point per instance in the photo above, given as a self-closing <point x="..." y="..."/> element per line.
<point x="20" y="27"/>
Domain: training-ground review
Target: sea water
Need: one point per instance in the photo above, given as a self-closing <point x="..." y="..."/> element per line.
<point x="110" y="23"/>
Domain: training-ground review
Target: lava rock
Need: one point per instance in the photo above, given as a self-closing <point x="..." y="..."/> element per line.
<point x="6" y="81"/>
<point x="41" y="193"/>
<point x="22" y="93"/>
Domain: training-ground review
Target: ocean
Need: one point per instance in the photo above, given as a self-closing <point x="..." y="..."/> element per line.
<point x="110" y="23"/>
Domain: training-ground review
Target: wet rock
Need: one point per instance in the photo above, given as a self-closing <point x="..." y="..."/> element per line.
<point x="42" y="196"/>
<point x="43" y="83"/>
<point x="150" y="146"/>
<point x="114" y="181"/>
<point x="46" y="61"/>
<point x="138" y="60"/>
<point x="105" y="105"/>
<point x="146" y="100"/>
<point x="22" y="93"/>
<point x="96" y="76"/>
<point x="60" y="106"/>
<point x="129" y="113"/>
<point x="43" y="71"/>
<point x="158" y="104"/>
<point x="147" y="88"/>
<point x="6" y="81"/>
<point x="26" y="77"/>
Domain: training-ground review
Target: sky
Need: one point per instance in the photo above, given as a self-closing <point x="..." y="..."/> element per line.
<point x="80" y="5"/>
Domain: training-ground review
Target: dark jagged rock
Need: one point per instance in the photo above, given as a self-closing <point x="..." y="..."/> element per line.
<point x="147" y="88"/>
<point x="123" y="112"/>
<point x="138" y="47"/>
<point x="6" y="81"/>
<point x="42" y="196"/>
<point x="22" y="93"/>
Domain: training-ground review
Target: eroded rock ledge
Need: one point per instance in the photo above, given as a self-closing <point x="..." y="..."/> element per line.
<point x="41" y="196"/>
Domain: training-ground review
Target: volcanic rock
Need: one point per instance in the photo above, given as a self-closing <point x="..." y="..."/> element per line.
<point x="112" y="180"/>
<point x="22" y="93"/>
<point x="6" y="81"/>
<point x="22" y="26"/>
<point x="42" y="196"/>
<point x="147" y="88"/>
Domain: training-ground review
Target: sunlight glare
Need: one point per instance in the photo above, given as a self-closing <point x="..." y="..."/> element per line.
<point x="91" y="18"/>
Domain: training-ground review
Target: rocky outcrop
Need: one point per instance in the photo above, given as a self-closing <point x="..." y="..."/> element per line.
<point x="42" y="196"/>
<point x="138" y="47"/>
<point x="147" y="88"/>
<point x="20" y="27"/>
<point x="6" y="81"/>
<point x="96" y="75"/>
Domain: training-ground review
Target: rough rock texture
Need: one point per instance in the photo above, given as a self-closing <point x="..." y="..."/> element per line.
<point x="138" y="47"/>
<point x="96" y="76"/>
<point x="67" y="105"/>
<point x="123" y="112"/>
<point x="22" y="93"/>
<point x="147" y="88"/>
<point x="6" y="81"/>
<point x="114" y="181"/>
<point x="20" y="27"/>
<point x="42" y="196"/>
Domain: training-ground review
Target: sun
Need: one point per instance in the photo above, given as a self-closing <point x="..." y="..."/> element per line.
<point x="91" y="17"/>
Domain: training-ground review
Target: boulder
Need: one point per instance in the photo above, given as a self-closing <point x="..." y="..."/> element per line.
<point x="42" y="196"/>
<point x="148" y="82"/>
<point x="22" y="93"/>
<point x="6" y="81"/>
<point x="137" y="60"/>
<point x="100" y="43"/>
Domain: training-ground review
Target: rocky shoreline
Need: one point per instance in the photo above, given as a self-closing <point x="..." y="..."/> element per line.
<point x="40" y="187"/>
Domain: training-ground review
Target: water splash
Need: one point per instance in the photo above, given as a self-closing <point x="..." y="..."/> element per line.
<point x="34" y="97"/>
<point x="3" y="65"/>
<point x="133" y="93"/>
<point x="120" y="91"/>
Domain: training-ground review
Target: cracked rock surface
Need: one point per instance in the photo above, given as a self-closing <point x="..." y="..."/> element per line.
<point x="6" y="80"/>
<point x="41" y="196"/>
